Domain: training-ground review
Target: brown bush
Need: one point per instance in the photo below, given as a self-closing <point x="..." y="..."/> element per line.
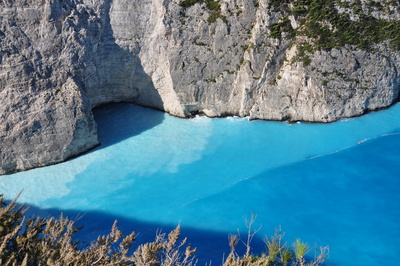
<point x="39" y="241"/>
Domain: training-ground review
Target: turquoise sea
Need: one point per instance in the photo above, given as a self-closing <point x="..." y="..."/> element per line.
<point x="335" y="185"/>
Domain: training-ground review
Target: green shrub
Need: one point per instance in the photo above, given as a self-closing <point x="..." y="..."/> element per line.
<point x="212" y="6"/>
<point x="284" y="26"/>
<point x="189" y="3"/>
<point x="278" y="252"/>
<point x="313" y="16"/>
<point x="306" y="60"/>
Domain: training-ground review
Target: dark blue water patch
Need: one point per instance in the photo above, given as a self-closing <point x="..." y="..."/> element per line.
<point x="349" y="200"/>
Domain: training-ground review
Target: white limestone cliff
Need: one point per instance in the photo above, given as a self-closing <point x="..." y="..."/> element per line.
<point x="59" y="59"/>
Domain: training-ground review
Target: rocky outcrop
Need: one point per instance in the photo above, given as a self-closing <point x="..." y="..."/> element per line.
<point x="59" y="59"/>
<point x="45" y="115"/>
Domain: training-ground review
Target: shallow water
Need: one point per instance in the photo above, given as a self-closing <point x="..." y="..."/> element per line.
<point x="329" y="184"/>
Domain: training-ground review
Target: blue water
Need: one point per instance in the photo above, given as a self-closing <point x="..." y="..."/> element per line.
<point x="332" y="184"/>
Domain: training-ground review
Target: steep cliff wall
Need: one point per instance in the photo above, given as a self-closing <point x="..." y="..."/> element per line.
<point x="276" y="60"/>
<point x="45" y="115"/>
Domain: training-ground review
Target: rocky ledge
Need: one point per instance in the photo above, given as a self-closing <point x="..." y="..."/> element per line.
<point x="308" y="60"/>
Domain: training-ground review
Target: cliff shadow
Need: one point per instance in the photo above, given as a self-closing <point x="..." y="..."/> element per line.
<point x="119" y="121"/>
<point x="115" y="73"/>
<point x="211" y="246"/>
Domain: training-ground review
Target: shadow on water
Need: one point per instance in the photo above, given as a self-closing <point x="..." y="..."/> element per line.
<point x="119" y="121"/>
<point x="348" y="200"/>
<point x="210" y="246"/>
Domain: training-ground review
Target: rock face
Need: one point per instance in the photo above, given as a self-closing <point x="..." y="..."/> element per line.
<point x="59" y="59"/>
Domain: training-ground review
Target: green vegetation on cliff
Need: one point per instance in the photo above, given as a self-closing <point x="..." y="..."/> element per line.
<point x="213" y="7"/>
<point x="327" y="23"/>
<point x="334" y="23"/>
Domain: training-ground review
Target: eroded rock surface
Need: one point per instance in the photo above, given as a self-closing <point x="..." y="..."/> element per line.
<point x="59" y="59"/>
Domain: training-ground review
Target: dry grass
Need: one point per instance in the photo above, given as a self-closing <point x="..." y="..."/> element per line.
<point x="50" y="241"/>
